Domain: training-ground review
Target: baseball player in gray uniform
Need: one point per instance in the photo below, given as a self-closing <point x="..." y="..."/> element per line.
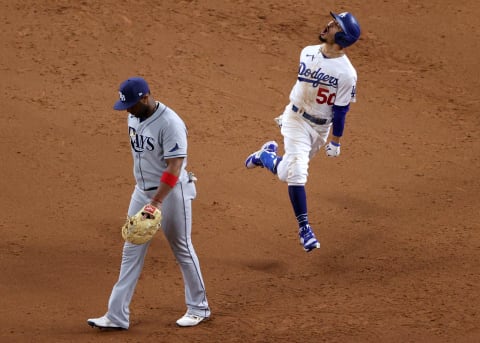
<point x="319" y="101"/>
<point x="158" y="138"/>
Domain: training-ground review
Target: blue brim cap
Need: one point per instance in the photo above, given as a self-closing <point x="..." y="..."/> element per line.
<point x="122" y="106"/>
<point x="338" y="19"/>
<point x="130" y="92"/>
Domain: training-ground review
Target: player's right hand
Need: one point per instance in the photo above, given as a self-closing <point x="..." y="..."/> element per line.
<point x="278" y="120"/>
<point x="332" y="149"/>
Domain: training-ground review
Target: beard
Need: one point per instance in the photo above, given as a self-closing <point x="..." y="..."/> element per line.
<point x="323" y="34"/>
<point x="143" y="112"/>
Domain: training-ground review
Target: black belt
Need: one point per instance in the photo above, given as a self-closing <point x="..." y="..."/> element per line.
<point x="315" y="120"/>
<point x="150" y="189"/>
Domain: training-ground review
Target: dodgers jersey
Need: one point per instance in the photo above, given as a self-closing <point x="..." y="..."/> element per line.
<point x="161" y="136"/>
<point x="323" y="82"/>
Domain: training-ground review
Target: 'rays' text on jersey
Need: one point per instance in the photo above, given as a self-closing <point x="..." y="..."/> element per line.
<point x="316" y="77"/>
<point x="140" y="142"/>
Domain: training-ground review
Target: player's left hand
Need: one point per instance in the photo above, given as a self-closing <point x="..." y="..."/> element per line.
<point x="332" y="149"/>
<point x="141" y="228"/>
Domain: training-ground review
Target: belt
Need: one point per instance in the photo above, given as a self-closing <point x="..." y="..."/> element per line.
<point x="150" y="189"/>
<point x="315" y="120"/>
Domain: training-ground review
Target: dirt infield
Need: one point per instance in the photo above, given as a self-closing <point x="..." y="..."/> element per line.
<point x="397" y="213"/>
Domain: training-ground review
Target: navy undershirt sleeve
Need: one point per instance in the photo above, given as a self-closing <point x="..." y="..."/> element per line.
<point x="338" y="122"/>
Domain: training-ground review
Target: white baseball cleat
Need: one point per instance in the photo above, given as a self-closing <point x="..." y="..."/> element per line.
<point x="103" y="323"/>
<point x="190" y="320"/>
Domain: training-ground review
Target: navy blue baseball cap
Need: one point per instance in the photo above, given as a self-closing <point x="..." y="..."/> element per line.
<point x="350" y="27"/>
<point x="131" y="91"/>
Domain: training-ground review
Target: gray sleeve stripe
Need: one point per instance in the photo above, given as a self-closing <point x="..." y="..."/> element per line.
<point x="173" y="156"/>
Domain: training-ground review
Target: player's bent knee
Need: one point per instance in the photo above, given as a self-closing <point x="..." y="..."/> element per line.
<point x="282" y="171"/>
<point x="294" y="172"/>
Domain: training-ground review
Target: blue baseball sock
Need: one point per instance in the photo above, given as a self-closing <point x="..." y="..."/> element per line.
<point x="298" y="198"/>
<point x="270" y="160"/>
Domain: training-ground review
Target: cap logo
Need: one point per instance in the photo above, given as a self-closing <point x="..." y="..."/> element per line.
<point x="140" y="94"/>
<point x="122" y="97"/>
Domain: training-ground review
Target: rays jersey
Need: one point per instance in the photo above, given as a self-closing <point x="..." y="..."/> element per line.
<point x="323" y="82"/>
<point x="161" y="136"/>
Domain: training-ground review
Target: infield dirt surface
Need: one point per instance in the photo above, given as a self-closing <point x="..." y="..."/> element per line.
<point x="397" y="213"/>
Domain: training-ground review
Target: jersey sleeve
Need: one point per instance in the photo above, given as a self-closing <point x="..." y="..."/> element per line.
<point x="174" y="138"/>
<point x="346" y="92"/>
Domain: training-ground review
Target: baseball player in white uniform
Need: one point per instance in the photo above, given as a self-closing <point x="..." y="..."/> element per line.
<point x="158" y="138"/>
<point x="319" y="102"/>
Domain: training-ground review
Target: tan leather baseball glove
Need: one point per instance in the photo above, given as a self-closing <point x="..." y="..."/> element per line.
<point x="141" y="227"/>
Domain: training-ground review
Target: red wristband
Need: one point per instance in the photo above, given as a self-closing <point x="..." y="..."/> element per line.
<point x="169" y="179"/>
